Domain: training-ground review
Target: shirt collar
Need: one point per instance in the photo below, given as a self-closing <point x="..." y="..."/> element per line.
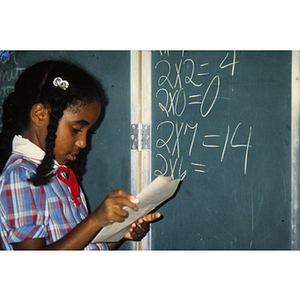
<point x="28" y="149"/>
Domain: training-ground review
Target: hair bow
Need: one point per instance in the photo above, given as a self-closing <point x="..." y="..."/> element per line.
<point x="58" y="82"/>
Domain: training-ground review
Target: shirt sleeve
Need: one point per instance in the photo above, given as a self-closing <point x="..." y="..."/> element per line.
<point x="26" y="210"/>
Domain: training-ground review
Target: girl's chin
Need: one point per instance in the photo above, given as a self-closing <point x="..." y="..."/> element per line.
<point x="64" y="160"/>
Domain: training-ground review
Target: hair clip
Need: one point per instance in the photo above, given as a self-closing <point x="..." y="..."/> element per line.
<point x="58" y="82"/>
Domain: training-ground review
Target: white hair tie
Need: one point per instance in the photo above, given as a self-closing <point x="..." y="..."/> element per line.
<point x="58" y="82"/>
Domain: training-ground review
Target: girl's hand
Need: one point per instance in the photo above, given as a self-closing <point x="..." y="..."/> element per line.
<point x="110" y="210"/>
<point x="139" y="229"/>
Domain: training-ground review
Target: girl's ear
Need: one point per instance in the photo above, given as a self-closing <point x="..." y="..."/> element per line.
<point x="39" y="115"/>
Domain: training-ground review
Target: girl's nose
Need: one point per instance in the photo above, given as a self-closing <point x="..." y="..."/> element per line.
<point x="81" y="143"/>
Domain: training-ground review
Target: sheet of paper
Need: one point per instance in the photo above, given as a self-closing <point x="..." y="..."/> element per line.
<point x="160" y="189"/>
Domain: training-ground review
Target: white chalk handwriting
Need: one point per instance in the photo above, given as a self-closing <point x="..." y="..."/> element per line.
<point x="179" y="143"/>
<point x="9" y="73"/>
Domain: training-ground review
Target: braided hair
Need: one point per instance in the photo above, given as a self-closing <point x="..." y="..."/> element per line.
<point x="35" y="85"/>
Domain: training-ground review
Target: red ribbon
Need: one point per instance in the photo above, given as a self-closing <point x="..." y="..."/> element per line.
<point x="71" y="181"/>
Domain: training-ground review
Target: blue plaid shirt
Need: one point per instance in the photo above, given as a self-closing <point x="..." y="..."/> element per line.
<point x="27" y="211"/>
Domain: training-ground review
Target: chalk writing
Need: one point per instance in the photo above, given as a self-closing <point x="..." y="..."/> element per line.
<point x="9" y="73"/>
<point x="182" y="141"/>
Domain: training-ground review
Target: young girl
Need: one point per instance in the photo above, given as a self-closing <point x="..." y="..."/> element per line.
<point x="41" y="206"/>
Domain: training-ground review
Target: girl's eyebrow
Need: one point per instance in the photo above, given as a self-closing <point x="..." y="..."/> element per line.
<point x="82" y="122"/>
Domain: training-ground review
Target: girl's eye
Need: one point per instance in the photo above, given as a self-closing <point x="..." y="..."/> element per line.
<point x="77" y="130"/>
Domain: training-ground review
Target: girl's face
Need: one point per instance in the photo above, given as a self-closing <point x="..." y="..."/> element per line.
<point x="72" y="131"/>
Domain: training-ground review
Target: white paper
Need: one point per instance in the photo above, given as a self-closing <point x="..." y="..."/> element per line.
<point x="160" y="189"/>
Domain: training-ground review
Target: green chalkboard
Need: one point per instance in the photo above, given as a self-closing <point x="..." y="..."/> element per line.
<point x="108" y="165"/>
<point x="221" y="121"/>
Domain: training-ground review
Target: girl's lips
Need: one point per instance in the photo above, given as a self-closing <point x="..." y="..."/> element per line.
<point x="71" y="156"/>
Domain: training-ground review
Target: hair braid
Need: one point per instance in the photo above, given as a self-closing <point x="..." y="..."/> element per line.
<point x="43" y="173"/>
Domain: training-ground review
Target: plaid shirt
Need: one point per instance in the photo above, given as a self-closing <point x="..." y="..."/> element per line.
<point x="28" y="211"/>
